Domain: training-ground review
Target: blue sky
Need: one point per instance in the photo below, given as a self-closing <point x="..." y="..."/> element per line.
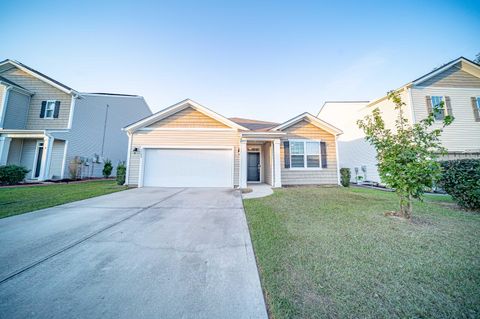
<point x="268" y="60"/>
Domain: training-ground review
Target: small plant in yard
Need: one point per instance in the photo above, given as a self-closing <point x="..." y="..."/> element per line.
<point x="107" y="168"/>
<point x="408" y="154"/>
<point x="345" y="176"/>
<point x="121" y="172"/>
<point x="74" y="167"/>
<point x="12" y="174"/>
<point x="461" y="179"/>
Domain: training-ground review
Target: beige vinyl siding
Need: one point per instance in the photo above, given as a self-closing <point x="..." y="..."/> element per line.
<point x="182" y="138"/>
<point x="188" y="118"/>
<point x="56" y="159"/>
<point x="306" y="130"/>
<point x="267" y="163"/>
<point x="15" y="151"/>
<point x="42" y="92"/>
<point x="463" y="135"/>
<point x="453" y="77"/>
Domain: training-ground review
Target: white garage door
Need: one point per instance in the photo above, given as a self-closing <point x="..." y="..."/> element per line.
<point x="188" y="168"/>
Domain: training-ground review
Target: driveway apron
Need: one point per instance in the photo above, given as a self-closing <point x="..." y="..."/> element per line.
<point x="141" y="253"/>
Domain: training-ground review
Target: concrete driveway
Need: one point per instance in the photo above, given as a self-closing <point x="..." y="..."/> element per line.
<point x="140" y="253"/>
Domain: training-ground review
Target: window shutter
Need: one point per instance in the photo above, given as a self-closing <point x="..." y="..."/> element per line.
<point x="429" y="105"/>
<point x="42" y="110"/>
<point x="323" y="150"/>
<point x="57" y="109"/>
<point x="448" y="104"/>
<point x="286" y="153"/>
<point x="476" y="112"/>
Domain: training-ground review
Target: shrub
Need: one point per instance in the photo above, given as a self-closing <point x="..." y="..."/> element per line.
<point x="121" y="172"/>
<point x="12" y="174"/>
<point x="74" y="167"/>
<point x="107" y="168"/>
<point x="461" y="179"/>
<point x="345" y="176"/>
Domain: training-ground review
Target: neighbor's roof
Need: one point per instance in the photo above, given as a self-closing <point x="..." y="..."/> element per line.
<point x="110" y="94"/>
<point x="253" y="125"/>
<point x="38" y="74"/>
<point x="429" y="75"/>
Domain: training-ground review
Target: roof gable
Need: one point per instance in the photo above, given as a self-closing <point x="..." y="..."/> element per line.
<point x="9" y="64"/>
<point x="312" y="120"/>
<point x="185" y="104"/>
<point x="451" y="67"/>
<point x="454" y="76"/>
<point x="188" y="118"/>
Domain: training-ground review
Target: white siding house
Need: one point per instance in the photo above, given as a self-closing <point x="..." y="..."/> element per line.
<point x="457" y="83"/>
<point x="45" y="125"/>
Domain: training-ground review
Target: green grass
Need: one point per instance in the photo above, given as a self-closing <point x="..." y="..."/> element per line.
<point x="19" y="200"/>
<point x="331" y="253"/>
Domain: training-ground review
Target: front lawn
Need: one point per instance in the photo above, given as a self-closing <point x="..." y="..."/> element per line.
<point x="331" y="253"/>
<point x="18" y="200"/>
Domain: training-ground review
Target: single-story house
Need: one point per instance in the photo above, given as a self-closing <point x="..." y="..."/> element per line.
<point x="188" y="145"/>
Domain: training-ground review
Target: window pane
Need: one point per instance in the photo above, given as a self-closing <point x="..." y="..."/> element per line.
<point x="296" y="147"/>
<point x="478" y="102"/>
<point x="297" y="161"/>
<point x="313" y="148"/>
<point x="438" y="107"/>
<point x="313" y="161"/>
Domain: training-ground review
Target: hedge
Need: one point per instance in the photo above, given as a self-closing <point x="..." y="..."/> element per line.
<point x="461" y="179"/>
<point x="12" y="174"/>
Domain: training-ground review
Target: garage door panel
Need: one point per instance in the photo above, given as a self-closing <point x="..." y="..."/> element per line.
<point x="188" y="167"/>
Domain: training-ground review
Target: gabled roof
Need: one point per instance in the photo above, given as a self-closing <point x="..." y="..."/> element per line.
<point x="443" y="68"/>
<point x="179" y="107"/>
<point x="429" y="75"/>
<point x="254" y="125"/>
<point x="311" y="119"/>
<point x="39" y="75"/>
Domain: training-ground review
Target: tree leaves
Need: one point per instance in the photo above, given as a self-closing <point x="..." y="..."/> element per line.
<point x="408" y="156"/>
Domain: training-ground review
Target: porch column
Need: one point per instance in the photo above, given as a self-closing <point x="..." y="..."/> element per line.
<point x="47" y="152"/>
<point x="4" y="148"/>
<point x="277" y="170"/>
<point x="243" y="164"/>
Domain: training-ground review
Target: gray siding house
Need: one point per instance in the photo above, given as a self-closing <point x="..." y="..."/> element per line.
<point x="56" y="131"/>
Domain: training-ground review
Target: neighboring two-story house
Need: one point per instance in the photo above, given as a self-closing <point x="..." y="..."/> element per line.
<point x="456" y="84"/>
<point x="55" y="131"/>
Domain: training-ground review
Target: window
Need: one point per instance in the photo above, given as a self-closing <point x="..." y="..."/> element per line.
<point x="438" y="108"/>
<point x="478" y="103"/>
<point x="305" y="154"/>
<point x="50" y="109"/>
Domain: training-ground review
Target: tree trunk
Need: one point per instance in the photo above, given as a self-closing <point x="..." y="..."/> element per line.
<point x="406" y="206"/>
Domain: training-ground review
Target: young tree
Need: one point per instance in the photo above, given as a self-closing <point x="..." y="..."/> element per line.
<point x="407" y="154"/>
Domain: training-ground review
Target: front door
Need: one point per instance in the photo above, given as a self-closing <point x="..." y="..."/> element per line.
<point x="253" y="167"/>
<point x="38" y="160"/>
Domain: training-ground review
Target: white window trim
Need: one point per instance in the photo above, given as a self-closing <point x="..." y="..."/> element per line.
<point x="305" y="168"/>
<point x="46" y="108"/>
<point x="445" y="113"/>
